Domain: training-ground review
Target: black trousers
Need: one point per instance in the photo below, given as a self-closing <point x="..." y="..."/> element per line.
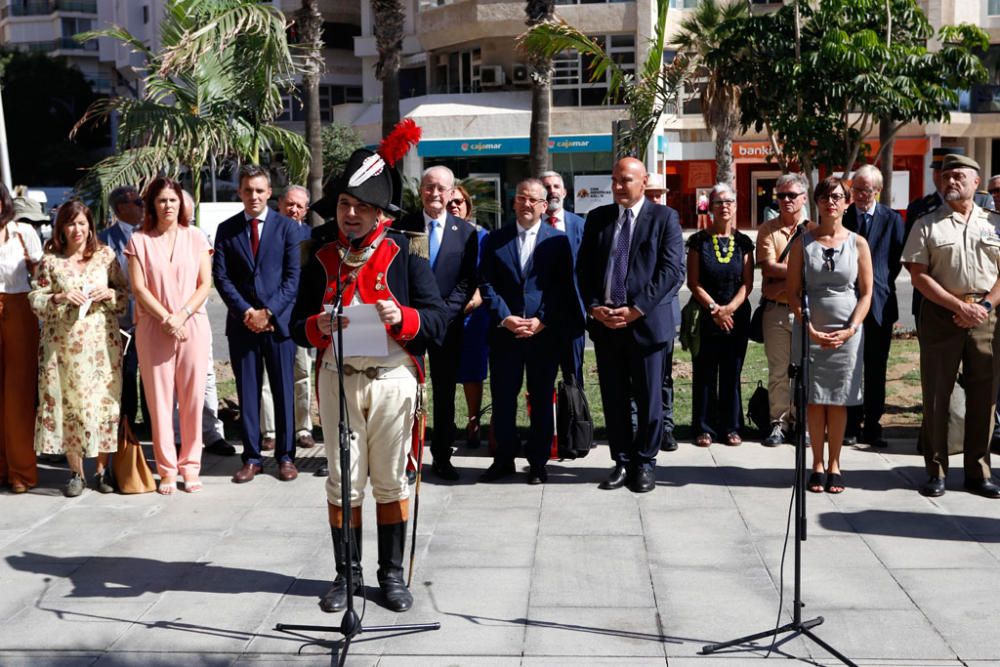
<point x="863" y="421"/>
<point x="627" y="371"/>
<point x="717" y="402"/>
<point x="444" y="362"/>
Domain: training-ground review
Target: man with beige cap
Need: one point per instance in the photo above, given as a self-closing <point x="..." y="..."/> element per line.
<point x="953" y="255"/>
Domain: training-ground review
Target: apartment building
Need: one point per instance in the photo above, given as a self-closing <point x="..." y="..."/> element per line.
<point x="48" y="26"/>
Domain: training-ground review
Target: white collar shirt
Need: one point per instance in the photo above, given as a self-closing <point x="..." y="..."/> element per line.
<point x="435" y="226"/>
<point x="619" y="223"/>
<point x="526" y="239"/>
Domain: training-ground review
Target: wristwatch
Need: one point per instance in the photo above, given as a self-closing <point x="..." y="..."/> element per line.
<point x="712" y="307"/>
<point x="985" y="303"/>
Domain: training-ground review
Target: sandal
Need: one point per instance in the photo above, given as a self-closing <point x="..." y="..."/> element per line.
<point x="472" y="433"/>
<point x="734" y="439"/>
<point x="815" y="483"/>
<point x="192" y="485"/>
<point x="703" y="440"/>
<point x="835" y="483"/>
<point x="167" y="488"/>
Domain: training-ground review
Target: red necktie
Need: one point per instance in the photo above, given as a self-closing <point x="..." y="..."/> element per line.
<point x="254" y="236"/>
<point x="552" y="220"/>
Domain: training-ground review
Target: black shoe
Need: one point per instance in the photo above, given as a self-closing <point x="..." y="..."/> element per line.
<point x="850" y="441"/>
<point x="220" y="448"/>
<point x="645" y="480"/>
<point x="995" y="444"/>
<point x="391" y="544"/>
<point x="537" y="475"/>
<point x="669" y="442"/>
<point x="985" y="488"/>
<point x="497" y="470"/>
<point x="933" y="488"/>
<point x="878" y="443"/>
<point x="322" y="471"/>
<point x="445" y="470"/>
<point x="776" y="437"/>
<point x="617" y="478"/>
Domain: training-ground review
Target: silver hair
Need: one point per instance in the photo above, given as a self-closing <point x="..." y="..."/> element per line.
<point x="872" y="173"/>
<point x="294" y="188"/>
<point x="550" y="174"/>
<point x="788" y="179"/>
<point x="438" y="167"/>
<point x="720" y="188"/>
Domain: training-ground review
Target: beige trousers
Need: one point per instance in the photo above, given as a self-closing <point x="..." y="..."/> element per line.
<point x="778" y="348"/>
<point x="381" y="415"/>
<point x="301" y="400"/>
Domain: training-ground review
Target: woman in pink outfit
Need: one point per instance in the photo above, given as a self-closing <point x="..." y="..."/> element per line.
<point x="170" y="268"/>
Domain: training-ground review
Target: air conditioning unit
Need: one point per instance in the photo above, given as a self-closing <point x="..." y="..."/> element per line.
<point x="491" y="76"/>
<point x="520" y="76"/>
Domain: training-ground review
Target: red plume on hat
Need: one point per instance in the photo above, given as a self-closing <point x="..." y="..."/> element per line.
<point x="404" y="136"/>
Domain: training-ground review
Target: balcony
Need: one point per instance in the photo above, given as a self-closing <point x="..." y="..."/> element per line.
<point x="61" y="44"/>
<point x="43" y="7"/>
<point x="985" y="99"/>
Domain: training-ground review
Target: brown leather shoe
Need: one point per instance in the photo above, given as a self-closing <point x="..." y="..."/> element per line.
<point x="267" y="445"/>
<point x="287" y="471"/>
<point x="305" y="441"/>
<point x="246" y="473"/>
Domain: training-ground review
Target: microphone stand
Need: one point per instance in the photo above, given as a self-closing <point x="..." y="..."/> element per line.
<point x="350" y="625"/>
<point x="797" y="626"/>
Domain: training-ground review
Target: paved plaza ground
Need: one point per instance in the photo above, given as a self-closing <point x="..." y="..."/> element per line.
<point x="547" y="575"/>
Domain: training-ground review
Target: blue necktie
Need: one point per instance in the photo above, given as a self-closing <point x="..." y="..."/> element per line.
<point x="433" y="244"/>
<point x="619" y="270"/>
<point x="866" y="221"/>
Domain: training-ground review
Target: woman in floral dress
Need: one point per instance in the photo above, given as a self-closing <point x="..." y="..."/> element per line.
<point x="79" y="294"/>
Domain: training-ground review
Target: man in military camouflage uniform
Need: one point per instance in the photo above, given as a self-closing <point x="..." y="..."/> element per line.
<point x="953" y="255"/>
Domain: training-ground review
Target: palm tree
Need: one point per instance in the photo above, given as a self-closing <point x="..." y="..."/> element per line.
<point x="699" y="36"/>
<point x="541" y="90"/>
<point x="389" y="31"/>
<point x="647" y="93"/>
<point x="311" y="31"/>
<point x="212" y="92"/>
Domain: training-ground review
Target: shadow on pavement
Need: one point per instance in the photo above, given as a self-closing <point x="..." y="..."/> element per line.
<point x="107" y="577"/>
<point x="918" y="525"/>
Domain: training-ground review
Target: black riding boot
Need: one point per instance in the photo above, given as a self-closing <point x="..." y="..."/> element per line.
<point x="335" y="599"/>
<point x="391" y="545"/>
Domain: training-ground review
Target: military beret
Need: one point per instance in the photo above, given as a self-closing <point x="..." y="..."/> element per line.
<point x="938" y="154"/>
<point x="953" y="161"/>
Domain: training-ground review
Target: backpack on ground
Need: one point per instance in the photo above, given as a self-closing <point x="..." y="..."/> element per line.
<point x="574" y="426"/>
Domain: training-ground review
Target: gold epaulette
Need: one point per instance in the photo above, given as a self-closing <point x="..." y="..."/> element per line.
<point x="418" y="244"/>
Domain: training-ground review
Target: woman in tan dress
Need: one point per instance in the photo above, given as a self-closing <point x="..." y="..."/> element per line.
<point x="79" y="294"/>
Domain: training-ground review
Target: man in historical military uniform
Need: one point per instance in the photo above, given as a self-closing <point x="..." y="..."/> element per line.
<point x="953" y="256"/>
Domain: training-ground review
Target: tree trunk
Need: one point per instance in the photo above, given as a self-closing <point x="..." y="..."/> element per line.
<point x="311" y="21"/>
<point x="541" y="105"/>
<point x="389" y="32"/>
<point x="888" y="150"/>
<point x="724" y="159"/>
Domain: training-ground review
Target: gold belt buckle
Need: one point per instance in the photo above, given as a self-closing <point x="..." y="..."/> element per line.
<point x="972" y="298"/>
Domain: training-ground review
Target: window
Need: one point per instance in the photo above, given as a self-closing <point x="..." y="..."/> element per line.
<point x="73" y="26"/>
<point x="571" y="85"/>
<point x="993" y="9"/>
<point x="458" y="72"/>
<point x="683" y="4"/>
<point x="590" y="2"/>
<point x="329" y="97"/>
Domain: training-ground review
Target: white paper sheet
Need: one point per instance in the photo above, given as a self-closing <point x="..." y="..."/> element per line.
<point x="86" y="304"/>
<point x="365" y="335"/>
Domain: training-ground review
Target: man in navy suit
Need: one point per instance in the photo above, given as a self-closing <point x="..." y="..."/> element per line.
<point x="256" y="270"/>
<point x="453" y="248"/>
<point x="558" y="216"/>
<point x="631" y="261"/>
<point x="883" y="228"/>
<point x="525" y="279"/>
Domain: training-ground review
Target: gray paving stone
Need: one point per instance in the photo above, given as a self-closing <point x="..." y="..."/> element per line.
<point x="864" y="635"/>
<point x="593" y="633"/>
<point x="564" y="512"/>
<point x="618" y="567"/>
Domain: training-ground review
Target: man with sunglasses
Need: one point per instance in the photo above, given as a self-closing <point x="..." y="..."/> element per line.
<point x="453" y="250"/>
<point x="883" y="228"/>
<point x="526" y="281"/>
<point x="953" y="256"/>
<point x="773" y="243"/>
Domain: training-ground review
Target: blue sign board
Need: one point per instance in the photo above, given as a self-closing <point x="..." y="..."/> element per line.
<point x="595" y="143"/>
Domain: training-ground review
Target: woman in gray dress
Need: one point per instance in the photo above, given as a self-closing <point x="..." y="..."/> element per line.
<point x="832" y="268"/>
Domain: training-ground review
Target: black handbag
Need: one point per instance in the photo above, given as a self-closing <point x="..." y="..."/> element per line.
<point x="759" y="409"/>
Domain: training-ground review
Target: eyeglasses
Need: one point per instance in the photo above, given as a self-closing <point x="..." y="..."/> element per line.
<point x="828" y="254"/>
<point x="863" y="191"/>
<point x="456" y="202"/>
<point x="531" y="201"/>
<point x="788" y="195"/>
<point x="723" y="202"/>
<point x="834" y="197"/>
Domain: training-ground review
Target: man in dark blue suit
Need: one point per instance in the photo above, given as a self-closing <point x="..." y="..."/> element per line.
<point x="525" y="279"/>
<point x="454" y="249"/>
<point x="256" y="270"/>
<point x="631" y="261"/>
<point x="568" y="222"/>
<point x="883" y="228"/>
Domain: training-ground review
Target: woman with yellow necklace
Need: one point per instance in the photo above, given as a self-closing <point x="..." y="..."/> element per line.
<point x="720" y="277"/>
